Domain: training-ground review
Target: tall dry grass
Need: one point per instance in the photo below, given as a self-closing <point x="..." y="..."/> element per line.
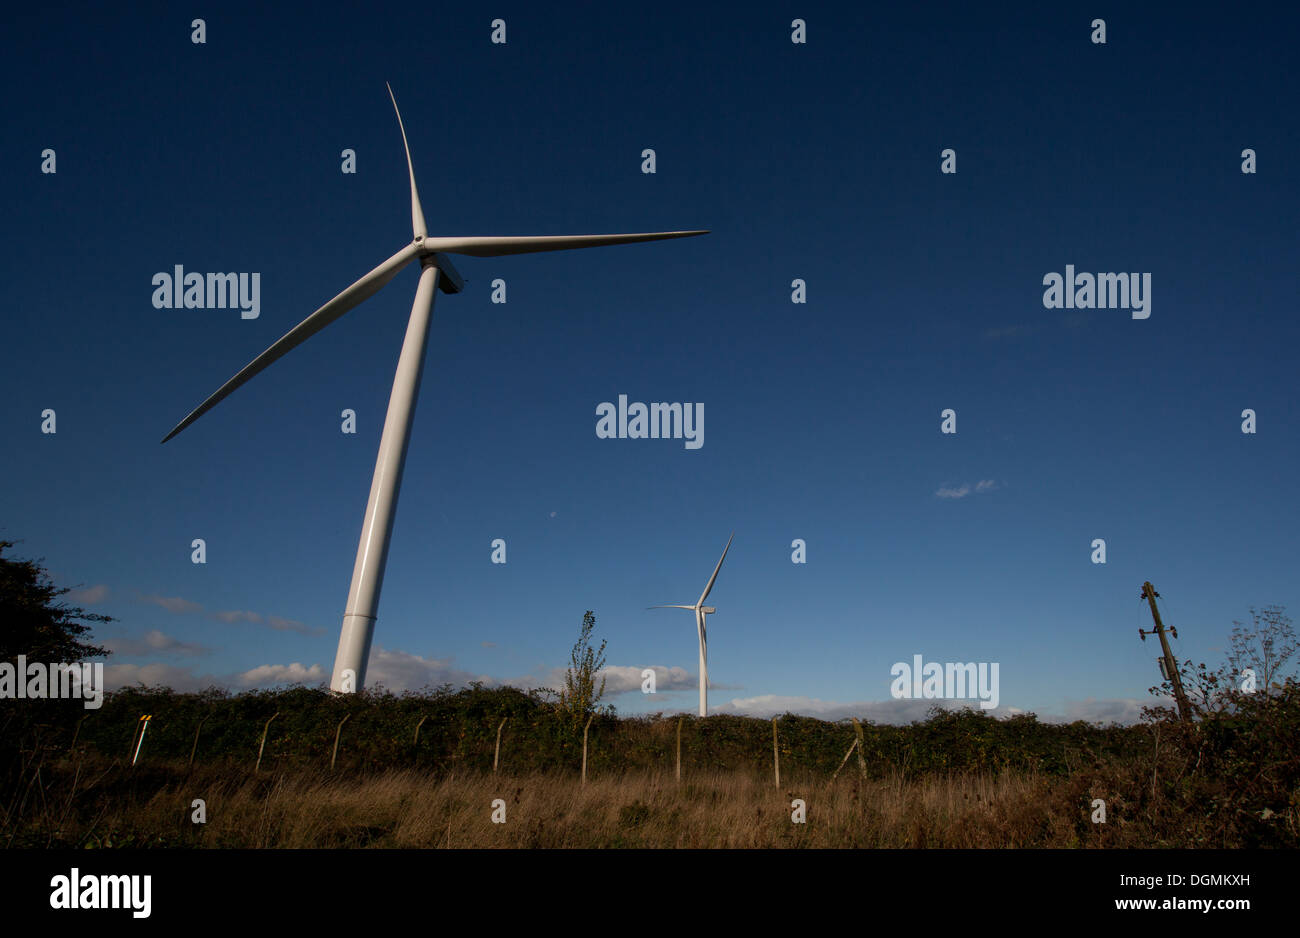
<point x="410" y="809"/>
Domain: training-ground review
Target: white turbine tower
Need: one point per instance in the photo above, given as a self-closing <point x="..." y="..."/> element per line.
<point x="436" y="272"/>
<point x="701" y="611"/>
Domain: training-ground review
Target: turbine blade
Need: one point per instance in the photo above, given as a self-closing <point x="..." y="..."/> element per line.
<point x="488" y="246"/>
<point x="705" y="594"/>
<point x="670" y="606"/>
<point x="417" y="214"/>
<point x="354" y="295"/>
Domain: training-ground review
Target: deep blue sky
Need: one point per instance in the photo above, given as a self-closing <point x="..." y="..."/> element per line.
<point x="817" y="161"/>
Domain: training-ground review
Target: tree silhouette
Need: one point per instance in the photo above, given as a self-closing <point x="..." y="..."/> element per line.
<point x="32" y="620"/>
<point x="1264" y="647"/>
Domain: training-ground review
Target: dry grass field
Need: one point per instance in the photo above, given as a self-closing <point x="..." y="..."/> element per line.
<point x="409" y="809"/>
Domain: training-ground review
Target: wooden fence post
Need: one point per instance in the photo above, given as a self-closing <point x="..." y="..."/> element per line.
<point x="584" y="747"/>
<point x="195" y="747"/>
<point x="776" y="755"/>
<point x="77" y="733"/>
<point x="144" y="725"/>
<point x="417" y="728"/>
<point x="679" y="749"/>
<point x="852" y="746"/>
<point x="338" y="732"/>
<point x="496" y="758"/>
<point x="135" y="734"/>
<point x="266" y="729"/>
<point x="862" y="762"/>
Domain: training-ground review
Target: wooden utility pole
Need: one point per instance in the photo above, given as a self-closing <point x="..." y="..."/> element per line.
<point x="1169" y="666"/>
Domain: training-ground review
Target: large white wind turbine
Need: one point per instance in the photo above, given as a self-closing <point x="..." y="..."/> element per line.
<point x="701" y="611"/>
<point x="436" y="272"/>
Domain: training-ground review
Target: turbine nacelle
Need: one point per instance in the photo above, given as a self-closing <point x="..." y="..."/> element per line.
<point x="708" y="610"/>
<point x="449" y="279"/>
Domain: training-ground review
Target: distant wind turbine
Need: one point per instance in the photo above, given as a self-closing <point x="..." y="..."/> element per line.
<point x="701" y="611"/>
<point x="436" y="272"/>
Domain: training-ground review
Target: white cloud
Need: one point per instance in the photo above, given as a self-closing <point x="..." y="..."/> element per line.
<point x="877" y="711"/>
<point x="89" y="596"/>
<point x="267" y="675"/>
<point x="279" y="623"/>
<point x="621" y="679"/>
<point x="232" y="616"/>
<point x="961" y="491"/>
<point x="400" y="670"/>
<point x="397" y="671"/>
<point x="550" y="677"/>
<point x="173" y="603"/>
<point x="187" y="680"/>
<point x="292" y="625"/>
<point x="1122" y="710"/>
<point x="176" y="604"/>
<point x="184" y="680"/>
<point x="152" y="642"/>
